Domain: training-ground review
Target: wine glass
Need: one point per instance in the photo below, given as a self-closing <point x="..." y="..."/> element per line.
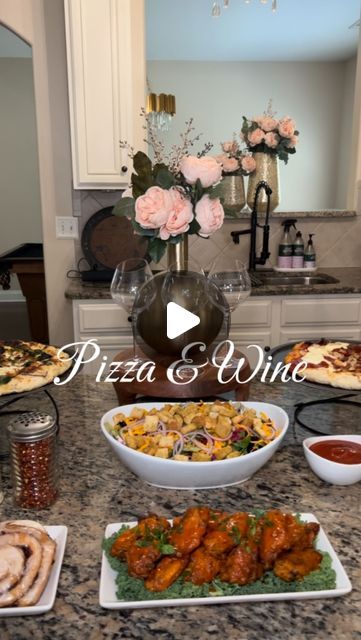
<point x="232" y="279"/>
<point x="129" y="277"/>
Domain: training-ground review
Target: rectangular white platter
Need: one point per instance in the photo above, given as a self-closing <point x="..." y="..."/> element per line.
<point x="108" y="598"/>
<point x="59" y="534"/>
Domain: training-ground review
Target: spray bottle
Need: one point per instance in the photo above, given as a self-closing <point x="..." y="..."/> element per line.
<point x="285" y="248"/>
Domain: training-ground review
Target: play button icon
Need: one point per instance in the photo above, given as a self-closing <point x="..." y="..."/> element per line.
<point x="179" y="320"/>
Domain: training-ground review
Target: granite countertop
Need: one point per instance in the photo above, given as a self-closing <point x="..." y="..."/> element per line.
<point x="349" y="282"/>
<point x="96" y="490"/>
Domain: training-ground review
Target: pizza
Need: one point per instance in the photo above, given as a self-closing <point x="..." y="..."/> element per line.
<point x="334" y="363"/>
<point x="28" y="365"/>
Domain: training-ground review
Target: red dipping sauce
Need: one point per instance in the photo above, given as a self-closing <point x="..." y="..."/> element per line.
<point x="342" y="451"/>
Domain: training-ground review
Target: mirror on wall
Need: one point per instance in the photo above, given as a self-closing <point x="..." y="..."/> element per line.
<point x="302" y="57"/>
<point x="20" y="207"/>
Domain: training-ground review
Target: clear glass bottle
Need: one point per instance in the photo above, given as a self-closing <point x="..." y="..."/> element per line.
<point x="33" y="445"/>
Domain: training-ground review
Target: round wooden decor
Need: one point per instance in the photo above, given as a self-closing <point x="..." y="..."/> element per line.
<point x="108" y="239"/>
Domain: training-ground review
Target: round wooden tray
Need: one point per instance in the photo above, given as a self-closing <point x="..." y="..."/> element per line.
<point x="108" y="239"/>
<point x="203" y="387"/>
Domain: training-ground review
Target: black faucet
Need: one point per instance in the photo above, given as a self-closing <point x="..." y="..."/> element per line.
<point x="265" y="254"/>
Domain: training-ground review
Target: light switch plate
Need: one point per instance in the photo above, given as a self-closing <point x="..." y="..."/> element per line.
<point x="67" y="227"/>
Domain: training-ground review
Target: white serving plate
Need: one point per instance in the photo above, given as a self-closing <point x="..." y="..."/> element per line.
<point x="46" y="602"/>
<point x="108" y="599"/>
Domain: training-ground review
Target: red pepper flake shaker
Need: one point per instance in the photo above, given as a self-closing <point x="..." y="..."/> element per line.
<point x="32" y="437"/>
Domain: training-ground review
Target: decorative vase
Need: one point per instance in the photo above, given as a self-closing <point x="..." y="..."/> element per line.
<point x="189" y="289"/>
<point x="267" y="170"/>
<point x="177" y="254"/>
<point x="232" y="193"/>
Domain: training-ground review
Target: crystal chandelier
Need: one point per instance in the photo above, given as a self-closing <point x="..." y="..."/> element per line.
<point x="217" y="6"/>
<point x="161" y="109"/>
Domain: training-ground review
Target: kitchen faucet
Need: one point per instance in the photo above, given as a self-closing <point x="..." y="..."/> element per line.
<point x="265" y="254"/>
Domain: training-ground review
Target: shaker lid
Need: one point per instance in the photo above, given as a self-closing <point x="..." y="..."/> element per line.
<point x="31" y="426"/>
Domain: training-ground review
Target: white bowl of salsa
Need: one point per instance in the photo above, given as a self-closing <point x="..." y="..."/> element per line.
<point x="335" y="459"/>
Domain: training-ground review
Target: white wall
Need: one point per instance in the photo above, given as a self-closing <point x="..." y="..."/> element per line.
<point x="217" y="94"/>
<point x="20" y="207"/>
<point x="41" y="24"/>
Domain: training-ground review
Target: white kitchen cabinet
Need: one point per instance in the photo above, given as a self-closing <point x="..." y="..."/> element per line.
<point x="264" y="321"/>
<point x="106" y="80"/>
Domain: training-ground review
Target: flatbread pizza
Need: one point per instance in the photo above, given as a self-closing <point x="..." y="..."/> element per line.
<point x="29" y="365"/>
<point x="337" y="364"/>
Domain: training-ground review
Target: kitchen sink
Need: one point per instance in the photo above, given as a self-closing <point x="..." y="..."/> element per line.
<point x="282" y="279"/>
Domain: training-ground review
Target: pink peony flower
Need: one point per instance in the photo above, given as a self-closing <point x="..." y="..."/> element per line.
<point x="293" y="141"/>
<point x="209" y="215"/>
<point x="257" y="119"/>
<point x="230" y="165"/>
<point x="268" y="123"/>
<point x="221" y="158"/>
<point x="227" y="146"/>
<point x="180" y="215"/>
<point x="206" y="169"/>
<point x="271" y="139"/>
<point x="286" y="127"/>
<point x="255" y="137"/>
<point x="248" y="164"/>
<point x="152" y="209"/>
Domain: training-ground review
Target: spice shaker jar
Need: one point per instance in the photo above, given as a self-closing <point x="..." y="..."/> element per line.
<point x="32" y="437"/>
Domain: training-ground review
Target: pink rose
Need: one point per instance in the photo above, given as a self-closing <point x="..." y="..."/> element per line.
<point x="286" y="127"/>
<point x="227" y="146"/>
<point x="255" y="137"/>
<point x="248" y="164"/>
<point x="152" y="209"/>
<point x="293" y="141"/>
<point x="209" y="215"/>
<point x="180" y="215"/>
<point x="230" y="164"/>
<point x="268" y="123"/>
<point x="221" y="158"/>
<point x="271" y="139"/>
<point x="206" y="169"/>
<point x="257" y="119"/>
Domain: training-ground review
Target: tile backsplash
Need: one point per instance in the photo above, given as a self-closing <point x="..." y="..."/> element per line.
<point x="337" y="241"/>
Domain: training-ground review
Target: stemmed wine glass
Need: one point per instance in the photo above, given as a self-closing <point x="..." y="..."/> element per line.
<point x="129" y="277"/>
<point x="232" y="279"/>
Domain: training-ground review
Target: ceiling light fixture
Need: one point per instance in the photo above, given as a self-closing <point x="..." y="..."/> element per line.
<point x="161" y="109"/>
<point x="216" y="10"/>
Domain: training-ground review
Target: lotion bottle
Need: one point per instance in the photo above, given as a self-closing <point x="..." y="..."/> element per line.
<point x="310" y="254"/>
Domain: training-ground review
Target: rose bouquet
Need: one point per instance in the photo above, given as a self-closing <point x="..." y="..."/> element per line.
<point x="174" y="195"/>
<point x="268" y="134"/>
<point x="234" y="161"/>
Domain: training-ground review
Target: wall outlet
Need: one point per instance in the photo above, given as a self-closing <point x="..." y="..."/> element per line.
<point x="67" y="227"/>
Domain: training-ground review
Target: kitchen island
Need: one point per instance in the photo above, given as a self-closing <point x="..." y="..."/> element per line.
<point x="97" y="490"/>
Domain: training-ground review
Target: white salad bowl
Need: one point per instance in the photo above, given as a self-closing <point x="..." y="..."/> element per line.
<point x="174" y="474"/>
<point x="327" y="470"/>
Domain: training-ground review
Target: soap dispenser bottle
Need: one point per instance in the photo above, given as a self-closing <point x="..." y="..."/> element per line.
<point x="298" y="252"/>
<point x="310" y="254"/>
<point x="285" y="247"/>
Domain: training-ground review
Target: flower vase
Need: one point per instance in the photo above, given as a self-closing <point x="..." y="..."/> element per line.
<point x="232" y="192"/>
<point x="177" y="254"/>
<point x="266" y="170"/>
